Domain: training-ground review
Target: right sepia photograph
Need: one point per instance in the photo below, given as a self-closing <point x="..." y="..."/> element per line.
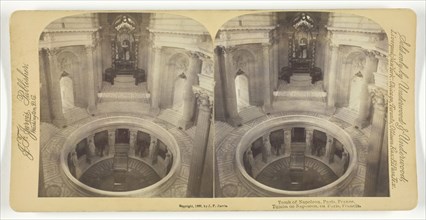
<point x="301" y="106"/>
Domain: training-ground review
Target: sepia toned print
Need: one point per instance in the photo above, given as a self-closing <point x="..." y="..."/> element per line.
<point x="213" y="110"/>
<point x="300" y="106"/>
<point x="125" y="106"/>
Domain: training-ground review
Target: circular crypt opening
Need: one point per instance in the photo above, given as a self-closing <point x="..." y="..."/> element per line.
<point x="122" y="156"/>
<point x="296" y="156"/>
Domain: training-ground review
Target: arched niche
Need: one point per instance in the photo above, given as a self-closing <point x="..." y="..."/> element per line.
<point x="242" y="91"/>
<point x="177" y="68"/>
<point x="244" y="78"/>
<point x="67" y="93"/>
<point x="356" y="81"/>
<point x="68" y="71"/>
<point x="178" y="91"/>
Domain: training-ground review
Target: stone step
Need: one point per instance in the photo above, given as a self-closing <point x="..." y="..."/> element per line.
<point x="347" y="115"/>
<point x="171" y="116"/>
<point x="250" y="113"/>
<point x="124" y="79"/>
<point x="75" y="114"/>
<point x="300" y="79"/>
<point x="124" y="92"/>
<point x="123" y="106"/>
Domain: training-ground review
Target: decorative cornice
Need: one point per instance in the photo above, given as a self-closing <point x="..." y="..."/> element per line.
<point x="354" y="30"/>
<point x="175" y="32"/>
<point x="71" y="30"/>
<point x="268" y="28"/>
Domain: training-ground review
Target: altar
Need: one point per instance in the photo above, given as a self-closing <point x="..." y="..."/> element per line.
<point x="124" y="47"/>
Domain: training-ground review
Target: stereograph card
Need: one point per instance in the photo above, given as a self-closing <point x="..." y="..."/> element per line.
<point x="176" y="111"/>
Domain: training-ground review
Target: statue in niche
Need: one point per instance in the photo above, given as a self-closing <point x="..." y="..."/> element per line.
<point x="124" y="51"/>
<point x="303" y="48"/>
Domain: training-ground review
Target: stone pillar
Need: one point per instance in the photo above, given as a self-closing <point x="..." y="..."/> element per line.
<point x="188" y="95"/>
<point x="45" y="105"/>
<point x="375" y="144"/>
<point x="55" y="90"/>
<point x="266" y="149"/>
<point x="267" y="92"/>
<point x="132" y="142"/>
<point x="91" y="92"/>
<point x="365" y="101"/>
<point x="309" y="140"/>
<point x="229" y="84"/>
<point x="275" y="67"/>
<point x="332" y="79"/>
<point x="110" y="151"/>
<point x="99" y="64"/>
<point x="383" y="175"/>
<point x="156" y="75"/>
<point x="200" y="144"/>
<point x="329" y="149"/>
<point x="219" y="105"/>
<point x="153" y="150"/>
<point x="287" y="141"/>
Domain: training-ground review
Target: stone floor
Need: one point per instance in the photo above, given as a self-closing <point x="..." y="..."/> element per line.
<point x="227" y="139"/>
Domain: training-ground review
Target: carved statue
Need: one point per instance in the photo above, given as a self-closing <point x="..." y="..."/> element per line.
<point x="167" y="162"/>
<point x="74" y="161"/>
<point x="250" y="162"/>
<point x="153" y="151"/>
<point x="266" y="149"/>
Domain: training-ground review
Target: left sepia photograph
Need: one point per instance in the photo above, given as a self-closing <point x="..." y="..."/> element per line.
<point x="126" y="106"/>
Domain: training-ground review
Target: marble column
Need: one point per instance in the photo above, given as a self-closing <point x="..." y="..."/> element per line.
<point x="287" y="141"/>
<point x="219" y="105"/>
<point x="188" y="95"/>
<point x="365" y="100"/>
<point x="200" y="144"/>
<point x="309" y="140"/>
<point x="383" y="175"/>
<point x="156" y="75"/>
<point x="275" y="68"/>
<point x="110" y="151"/>
<point x="266" y="149"/>
<point x="99" y="64"/>
<point x="91" y="92"/>
<point x="55" y="90"/>
<point x="45" y="105"/>
<point x="233" y="117"/>
<point x="331" y="94"/>
<point x="375" y="143"/>
<point x="132" y="142"/>
<point x="267" y="92"/>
